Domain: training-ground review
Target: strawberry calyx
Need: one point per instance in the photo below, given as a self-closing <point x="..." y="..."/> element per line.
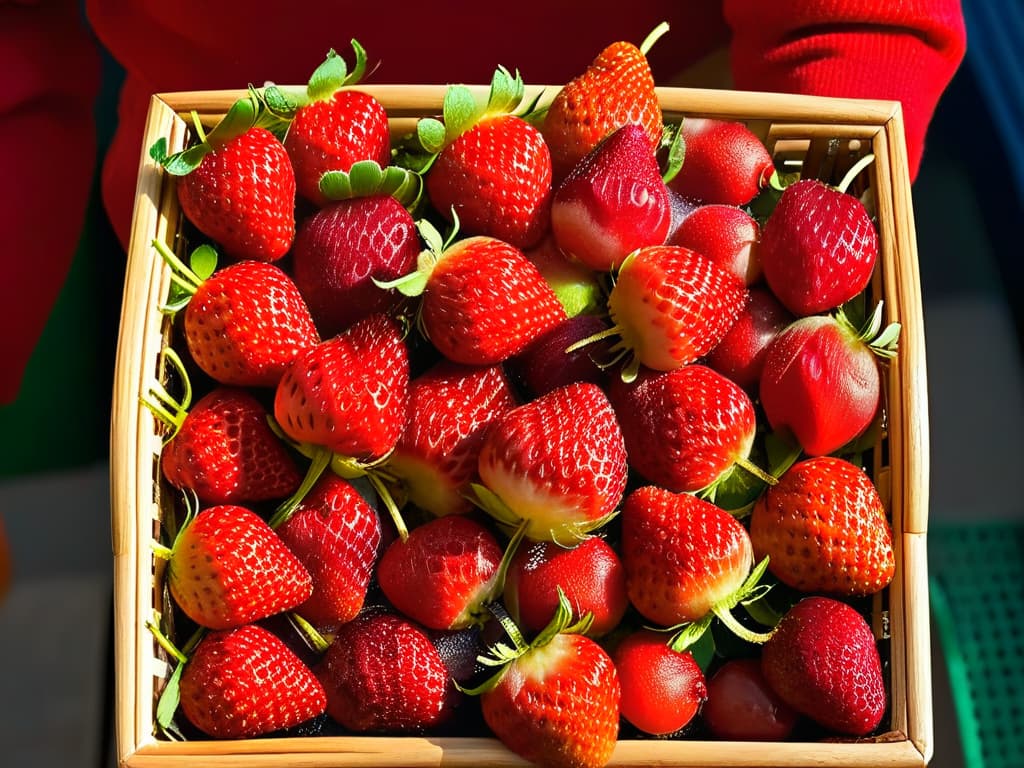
<point x="414" y="283"/>
<point x="185" y="278"/>
<point x="367" y="178"/>
<point x="168" y="410"/>
<point x="170" y="697"/>
<point x="884" y="342"/>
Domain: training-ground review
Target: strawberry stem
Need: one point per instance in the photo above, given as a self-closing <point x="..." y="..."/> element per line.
<point x="320" y="459"/>
<point x="855" y="169"/>
<point x="653" y="37"/>
<point x="389" y="503"/>
<point x="724" y="614"/>
<point x="310" y="635"/>
<point x="160" y="550"/>
<point x="181" y="275"/>
<point x="756" y="471"/>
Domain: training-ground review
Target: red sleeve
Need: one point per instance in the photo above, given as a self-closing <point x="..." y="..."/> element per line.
<point x="905" y="51"/>
<point x="48" y="152"/>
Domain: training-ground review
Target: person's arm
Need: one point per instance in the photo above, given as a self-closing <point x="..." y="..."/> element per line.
<point x="50" y="65"/>
<point x="905" y="51"/>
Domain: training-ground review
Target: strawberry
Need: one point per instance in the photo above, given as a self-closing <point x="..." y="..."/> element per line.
<point x="615" y="89"/>
<point x="685" y="429"/>
<point x="443" y="575"/>
<point x="662" y="689"/>
<point x="741" y="706"/>
<point x="824" y="528"/>
<point x="335" y="126"/>
<point x="590" y="574"/>
<point x="818" y="248"/>
<point x="741" y="352"/>
<point x="336" y="535"/>
<point x="820" y="384"/>
<point x="822" y="661"/>
<point x="725" y="234"/>
<point x="612" y="202"/>
<point x="545" y="365"/>
<point x="578" y="288"/>
<point x="686" y="561"/>
<point x="725" y="162"/>
<point x="223" y="450"/>
<point x="555" y="465"/>
<point x="227" y="568"/>
<point x="382" y="673"/>
<point x="348" y="394"/>
<point x="245" y="682"/>
<point x="482" y="300"/>
<point x="450" y="407"/>
<point x="554" y="701"/>
<point x="488" y="167"/>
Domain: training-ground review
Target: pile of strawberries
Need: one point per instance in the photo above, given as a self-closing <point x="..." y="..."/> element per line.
<point x="521" y="424"/>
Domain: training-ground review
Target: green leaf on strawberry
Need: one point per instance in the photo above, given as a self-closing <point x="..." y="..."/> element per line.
<point x="367" y="177"/>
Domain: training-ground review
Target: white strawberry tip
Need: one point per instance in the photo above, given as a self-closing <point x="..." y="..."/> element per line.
<point x="553" y="525"/>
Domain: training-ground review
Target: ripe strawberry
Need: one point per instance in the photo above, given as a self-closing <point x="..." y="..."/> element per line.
<point x="245" y="682"/>
<point x="824" y="528"/>
<point x="725" y="234"/>
<point x="335" y="126"/>
<point x="348" y="394"/>
<point x="444" y="574"/>
<point x="612" y="202"/>
<point x="545" y="365"/>
<point x="450" y="407"/>
<point x="818" y="247"/>
<point x="590" y="574"/>
<point x="482" y="299"/>
<point x="741" y="352"/>
<point x="227" y="568"/>
<point x="741" y="706"/>
<point x="224" y="450"/>
<point x="724" y="163"/>
<point x="556" y="464"/>
<point x="686" y="429"/>
<point x="820" y="384"/>
<point x="662" y="689"/>
<point x="822" y="660"/>
<point x="615" y="89"/>
<point x="382" y="673"/>
<point x="336" y="535"/>
<point x="686" y="561"/>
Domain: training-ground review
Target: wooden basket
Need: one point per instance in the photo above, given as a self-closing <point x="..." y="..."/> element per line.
<point x="822" y="137"/>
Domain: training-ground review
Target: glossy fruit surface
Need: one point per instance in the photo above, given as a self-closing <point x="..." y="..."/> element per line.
<point x="741" y="706"/>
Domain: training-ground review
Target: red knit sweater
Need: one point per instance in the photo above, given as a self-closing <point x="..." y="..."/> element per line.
<point x="905" y="50"/>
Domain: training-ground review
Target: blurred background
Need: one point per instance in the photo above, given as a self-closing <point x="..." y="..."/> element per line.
<point x="968" y="200"/>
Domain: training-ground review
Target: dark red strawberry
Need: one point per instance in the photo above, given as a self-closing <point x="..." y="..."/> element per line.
<point x="615" y="89"/>
<point x="227" y="568"/>
<point x="612" y="202"/>
<point x="383" y="674"/>
<point x="725" y="234"/>
<point x="741" y="352"/>
<point x="546" y="365"/>
<point x="335" y="126"/>
<point x="336" y="535"/>
<point x="822" y="660"/>
<point x="444" y="574"/>
<point x="450" y="407"/>
<point x="245" y="682"/>
<point x="741" y="706"/>
<point x="818" y="248"/>
<point x="590" y="574"/>
<point x="824" y="528"/>
<point x="556" y="464"/>
<point x="725" y="162"/>
<point x="662" y="689"/>
<point x="820" y="384"/>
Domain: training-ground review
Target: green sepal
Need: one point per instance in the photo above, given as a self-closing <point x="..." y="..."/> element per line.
<point x="690" y="633"/>
<point x="333" y="74"/>
<point x="366" y="178"/>
<point x="782" y="454"/>
<point x="170" y="697"/>
<point x="460" y="112"/>
<point x="203" y="261"/>
<point x="672" y="139"/>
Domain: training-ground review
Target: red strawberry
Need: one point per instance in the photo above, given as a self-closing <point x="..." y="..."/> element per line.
<point x="820" y="383"/>
<point x="741" y="706"/>
<point x="444" y="574"/>
<point x="686" y="561"/>
<point x="245" y="682"/>
<point x="818" y="248"/>
<point x="450" y="407"/>
<point x="335" y="126"/>
<point x="590" y="574"/>
<point x="555" y="702"/>
<point x="616" y="88"/>
<point x="724" y="163"/>
<point x="336" y="535"/>
<point x="348" y="394"/>
<point x="662" y="688"/>
<point x="822" y="660"/>
<point x="382" y="673"/>
<point x="556" y="464"/>
<point x="482" y="299"/>
<point x="824" y="528"/>
<point x="685" y="429"/>
<point x="741" y="352"/>
<point x="227" y="568"/>
<point x="343" y="248"/>
<point x="492" y="169"/>
<point x="725" y="234"/>
<point x="545" y="365"/>
<point x="224" y="450"/>
<point x="612" y="202"/>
